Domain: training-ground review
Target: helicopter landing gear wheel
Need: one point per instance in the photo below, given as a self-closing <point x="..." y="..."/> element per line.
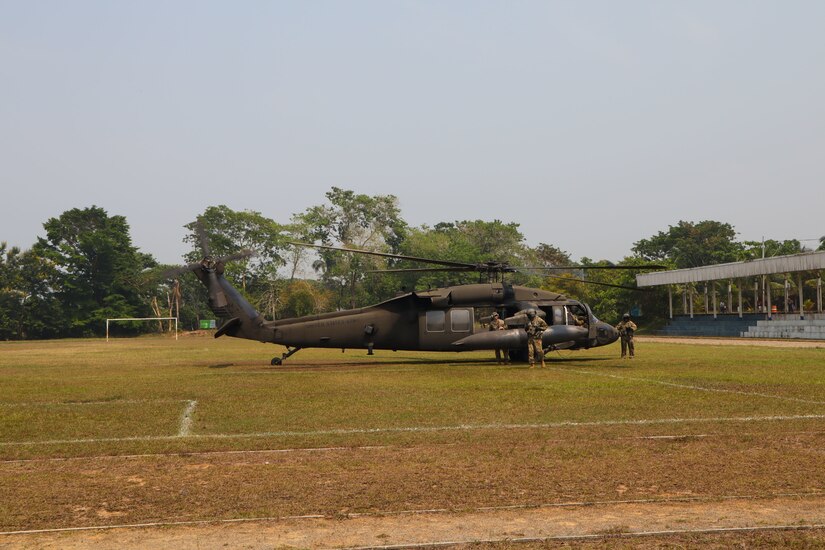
<point x="280" y="360"/>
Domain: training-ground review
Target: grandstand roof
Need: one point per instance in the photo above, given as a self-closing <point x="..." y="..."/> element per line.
<point x="811" y="261"/>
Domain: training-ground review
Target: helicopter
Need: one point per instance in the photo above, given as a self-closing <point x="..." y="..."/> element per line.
<point x="439" y="319"/>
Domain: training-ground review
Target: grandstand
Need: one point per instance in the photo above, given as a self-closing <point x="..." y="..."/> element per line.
<point x="778" y="297"/>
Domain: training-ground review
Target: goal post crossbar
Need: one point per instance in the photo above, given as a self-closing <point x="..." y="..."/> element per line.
<point x="175" y="319"/>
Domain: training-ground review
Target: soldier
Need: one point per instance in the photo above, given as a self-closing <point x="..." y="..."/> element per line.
<point x="626" y="329"/>
<point x="573" y="319"/>
<point x="502" y="355"/>
<point x="535" y="327"/>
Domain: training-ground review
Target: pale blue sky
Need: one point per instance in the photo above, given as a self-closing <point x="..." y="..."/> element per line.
<point x="592" y="123"/>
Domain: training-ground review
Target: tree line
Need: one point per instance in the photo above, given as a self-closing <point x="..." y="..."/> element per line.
<point x="86" y="269"/>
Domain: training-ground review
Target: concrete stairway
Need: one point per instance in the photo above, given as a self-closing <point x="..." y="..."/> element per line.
<point x="789" y="326"/>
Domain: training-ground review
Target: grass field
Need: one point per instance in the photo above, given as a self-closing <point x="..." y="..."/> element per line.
<point x="153" y="430"/>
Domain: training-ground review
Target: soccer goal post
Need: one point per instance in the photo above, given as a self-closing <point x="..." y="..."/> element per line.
<point x="175" y="319"/>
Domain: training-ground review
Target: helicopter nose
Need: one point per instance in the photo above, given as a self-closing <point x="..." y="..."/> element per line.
<point x="606" y="334"/>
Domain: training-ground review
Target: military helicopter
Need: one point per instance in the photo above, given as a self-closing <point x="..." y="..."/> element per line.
<point x="440" y="319"/>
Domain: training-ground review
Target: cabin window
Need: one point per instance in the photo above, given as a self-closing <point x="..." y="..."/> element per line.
<point x="435" y="321"/>
<point x="461" y="320"/>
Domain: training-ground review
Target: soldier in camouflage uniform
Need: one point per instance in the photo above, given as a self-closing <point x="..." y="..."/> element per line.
<point x="626" y="329"/>
<point x="502" y="355"/>
<point x="535" y="327"/>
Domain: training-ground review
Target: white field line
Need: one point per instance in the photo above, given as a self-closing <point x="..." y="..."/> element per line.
<point x="639" y="534"/>
<point x="156" y="524"/>
<point x="426" y="429"/>
<point x="184" y="429"/>
<point x="663" y="437"/>
<point x="575" y="504"/>
<point x="186" y="419"/>
<point x="691" y="387"/>
<point x="570" y="504"/>
<point x="86" y="403"/>
<point x="203" y="453"/>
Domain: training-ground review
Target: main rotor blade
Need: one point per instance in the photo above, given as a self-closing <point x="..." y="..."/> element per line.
<point x="237" y="256"/>
<point x="200" y="231"/>
<point x="635" y="289"/>
<point x="386" y="255"/>
<point x="173" y="272"/>
<point x="572" y="267"/>
<point x="423" y="270"/>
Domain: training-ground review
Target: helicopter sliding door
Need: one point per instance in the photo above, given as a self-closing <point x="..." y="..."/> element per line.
<point x="439" y="328"/>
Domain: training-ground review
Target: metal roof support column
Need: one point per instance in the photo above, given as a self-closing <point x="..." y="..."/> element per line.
<point x="690" y="301"/>
<point x="763" y="292"/>
<point x="801" y="293"/>
<point x="670" y="300"/>
<point x="707" y="306"/>
<point x="787" y="291"/>
<point x="684" y="299"/>
<point x="739" y="288"/>
<point x="713" y="284"/>
<point x="756" y="296"/>
<point x="730" y="295"/>
<point x="768" y="300"/>
<point x="819" y="294"/>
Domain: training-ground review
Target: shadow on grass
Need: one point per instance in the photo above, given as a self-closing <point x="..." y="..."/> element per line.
<point x="410" y="361"/>
<point x="377" y="362"/>
<point x="601" y="362"/>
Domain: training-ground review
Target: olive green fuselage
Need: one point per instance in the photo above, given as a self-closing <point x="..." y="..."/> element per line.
<point x="444" y="319"/>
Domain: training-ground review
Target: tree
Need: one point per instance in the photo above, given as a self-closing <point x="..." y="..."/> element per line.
<point x="550" y="255"/>
<point x="303" y="297"/>
<point x="752" y="250"/>
<point x="193" y="301"/>
<point x="229" y="231"/>
<point x="610" y="302"/>
<point x="41" y="315"/>
<point x="98" y="270"/>
<point x="11" y="292"/>
<point x="689" y="244"/>
<point x="468" y="241"/>
<point x="355" y="221"/>
<point x="480" y="240"/>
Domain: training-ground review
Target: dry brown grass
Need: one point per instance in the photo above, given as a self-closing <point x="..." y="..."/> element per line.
<point x="140" y="388"/>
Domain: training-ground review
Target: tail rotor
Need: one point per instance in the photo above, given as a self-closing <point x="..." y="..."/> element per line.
<point x="208" y="263"/>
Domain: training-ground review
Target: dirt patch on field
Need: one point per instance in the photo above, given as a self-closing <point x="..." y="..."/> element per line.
<point x="498" y="469"/>
<point x="734" y="342"/>
<point x="558" y="522"/>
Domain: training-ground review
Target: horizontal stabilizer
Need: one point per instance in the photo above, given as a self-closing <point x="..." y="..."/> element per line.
<point x="228" y="326"/>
